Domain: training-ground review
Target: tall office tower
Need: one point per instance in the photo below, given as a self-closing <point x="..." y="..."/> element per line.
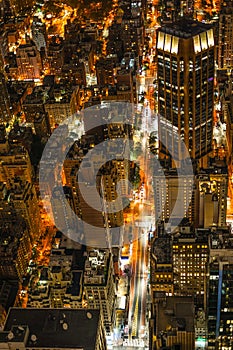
<point x="20" y="201"/>
<point x="225" y="35"/>
<point x="220" y="294"/>
<point x="95" y="218"/>
<point x="133" y="33"/>
<point x="5" y="108"/>
<point x="99" y="287"/>
<point x="161" y="265"/>
<point x="178" y="261"/>
<point x="23" y="198"/>
<point x="173" y="196"/>
<point x="185" y="57"/>
<point x="202" y="199"/>
<point x="115" y="43"/>
<point x="132" y="26"/>
<point x="3" y="43"/>
<point x="190" y="253"/>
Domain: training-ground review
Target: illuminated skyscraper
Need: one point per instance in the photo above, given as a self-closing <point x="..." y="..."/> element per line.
<point x="225" y="39"/>
<point x="185" y="57"/>
<point x="161" y="278"/>
<point x="201" y="199"/>
<point x="220" y="305"/>
<point x="171" y="190"/>
<point x="190" y="258"/>
<point x="23" y="198"/>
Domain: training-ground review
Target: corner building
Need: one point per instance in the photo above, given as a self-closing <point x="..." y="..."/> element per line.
<point x="185" y="58"/>
<point x="99" y="287"/>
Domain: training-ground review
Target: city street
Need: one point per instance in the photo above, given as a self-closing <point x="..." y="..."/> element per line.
<point x="139" y="281"/>
<point x="137" y="326"/>
<point x="142" y="222"/>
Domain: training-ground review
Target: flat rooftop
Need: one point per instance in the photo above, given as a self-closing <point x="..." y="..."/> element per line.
<point x="53" y="328"/>
<point x="162" y="250"/>
<point x="185" y="28"/>
<point x="175" y="313"/>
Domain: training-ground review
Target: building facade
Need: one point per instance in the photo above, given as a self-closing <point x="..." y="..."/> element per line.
<point x="15" y="249"/>
<point x="185" y="58"/>
<point x="28" y="61"/>
<point x="225" y="35"/>
<point x="219" y="305"/>
<point x="99" y="286"/>
<point x="5" y="108"/>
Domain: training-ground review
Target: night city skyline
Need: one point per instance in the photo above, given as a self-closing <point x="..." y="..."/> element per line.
<point x="116" y="174"/>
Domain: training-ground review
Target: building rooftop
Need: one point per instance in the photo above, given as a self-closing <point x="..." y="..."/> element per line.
<point x="38" y="95"/>
<point x="96" y="267"/>
<point x="162" y="250"/>
<point x="185" y="28"/>
<point x="175" y="314"/>
<point x="52" y="328"/>
<point x="17" y="89"/>
<point x="222" y="239"/>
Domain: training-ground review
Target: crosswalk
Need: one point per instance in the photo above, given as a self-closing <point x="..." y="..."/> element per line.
<point x="136" y="343"/>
